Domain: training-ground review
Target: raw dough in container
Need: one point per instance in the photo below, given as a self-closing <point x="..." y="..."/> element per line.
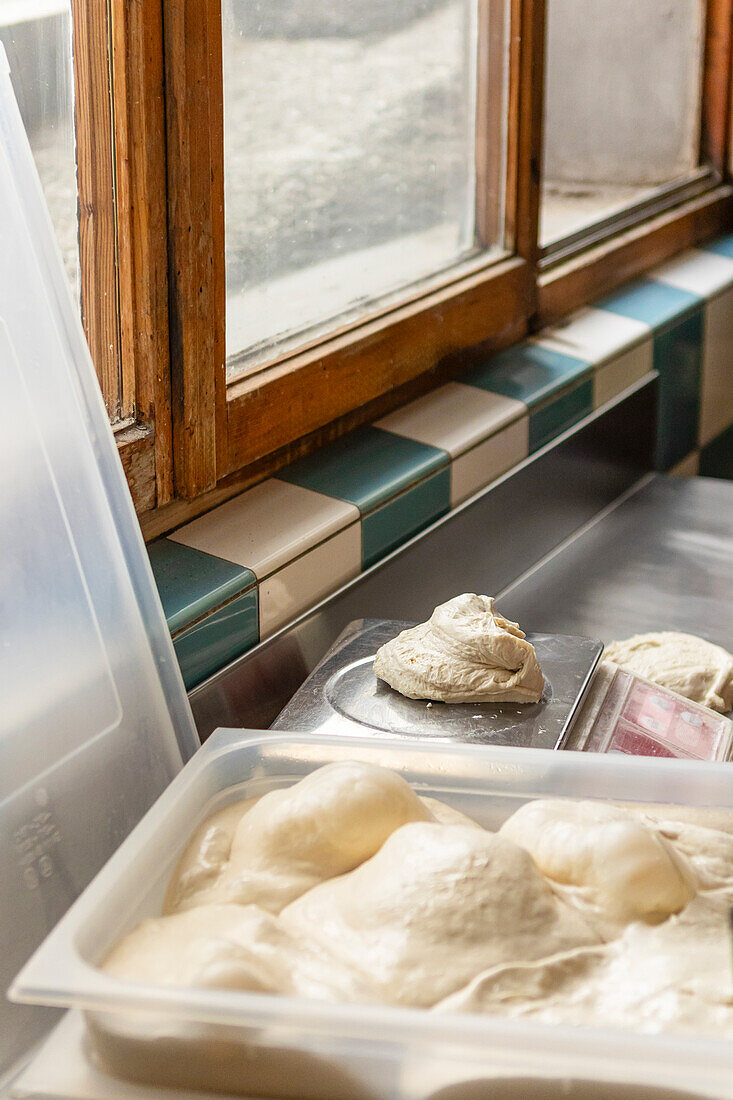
<point x="465" y="653"/>
<point x="233" y="947"/>
<point x="350" y="887"/>
<point x="624" y="868"/>
<point x="684" y="663"/>
<point x="434" y="906"/>
<point x="292" y="839"/>
<point x="673" y="976"/>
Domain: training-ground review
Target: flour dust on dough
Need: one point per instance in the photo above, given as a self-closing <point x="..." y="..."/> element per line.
<point x="684" y="663"/>
<point x="465" y="653"/>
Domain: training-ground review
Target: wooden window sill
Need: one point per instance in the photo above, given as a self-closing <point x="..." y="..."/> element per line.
<point x="603" y="269"/>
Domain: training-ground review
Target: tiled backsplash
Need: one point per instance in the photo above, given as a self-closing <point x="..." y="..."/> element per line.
<point x="239" y="573"/>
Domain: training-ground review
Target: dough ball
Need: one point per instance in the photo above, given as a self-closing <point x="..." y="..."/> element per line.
<point x="465" y="653"/>
<point x="325" y="825"/>
<point x="628" y="870"/>
<point x="690" y="666"/>
<point x="434" y="906"/>
<point x="181" y="948"/>
<point x="231" y="947"/>
<point x="204" y="857"/>
<point x="708" y="850"/>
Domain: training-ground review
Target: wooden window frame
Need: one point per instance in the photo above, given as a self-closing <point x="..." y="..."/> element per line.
<point x="121" y="179"/>
<point x="313" y="394"/>
<point x="597" y="270"/>
<point x="194" y="440"/>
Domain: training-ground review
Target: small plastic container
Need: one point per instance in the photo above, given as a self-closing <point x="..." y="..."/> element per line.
<point x="278" y="1046"/>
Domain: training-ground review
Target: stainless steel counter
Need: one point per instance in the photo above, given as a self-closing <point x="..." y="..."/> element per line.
<point x="659" y="559"/>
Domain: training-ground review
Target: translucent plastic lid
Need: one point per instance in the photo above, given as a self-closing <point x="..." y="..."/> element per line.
<point x="94" y="719"/>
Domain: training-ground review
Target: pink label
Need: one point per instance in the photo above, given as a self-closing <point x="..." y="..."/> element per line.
<point x="673" y="721"/>
<point x="631" y="741"/>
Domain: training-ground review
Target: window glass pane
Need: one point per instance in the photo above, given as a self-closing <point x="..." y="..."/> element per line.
<point x="350" y="160"/>
<point x="37" y="39"/>
<point x="622" y="105"/>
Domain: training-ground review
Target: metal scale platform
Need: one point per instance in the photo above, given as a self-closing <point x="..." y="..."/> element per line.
<point x="342" y="695"/>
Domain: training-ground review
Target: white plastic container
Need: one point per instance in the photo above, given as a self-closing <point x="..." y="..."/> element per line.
<point x="286" y="1047"/>
<point x="94" y="721"/>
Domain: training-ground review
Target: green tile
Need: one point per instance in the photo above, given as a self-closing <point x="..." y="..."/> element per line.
<point x="723" y="246"/>
<point x="218" y="638"/>
<point x="191" y="582"/>
<point x="678" y="358"/>
<point x="560" y="414"/>
<point x="655" y="303"/>
<point x="366" y="467"/>
<point x="716" y="457"/>
<point x="395" y="522"/>
<point x="527" y="372"/>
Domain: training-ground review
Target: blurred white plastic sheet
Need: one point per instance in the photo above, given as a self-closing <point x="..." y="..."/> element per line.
<point x="95" y="721"/>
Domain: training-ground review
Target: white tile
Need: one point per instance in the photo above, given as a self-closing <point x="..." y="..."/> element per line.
<point x="488" y="460"/>
<point x="454" y="417"/>
<point x="593" y="335"/>
<point x="688" y="467"/>
<point x="613" y="378"/>
<point x="308" y="579"/>
<point x="698" y="272"/>
<point x="267" y="526"/>
<point x="716" y="393"/>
